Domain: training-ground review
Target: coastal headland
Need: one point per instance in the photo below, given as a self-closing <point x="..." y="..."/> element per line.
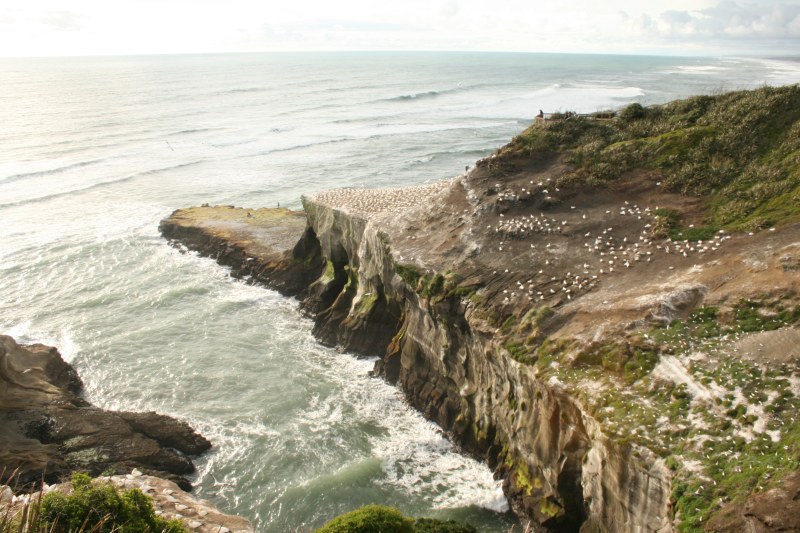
<point x="605" y="310"/>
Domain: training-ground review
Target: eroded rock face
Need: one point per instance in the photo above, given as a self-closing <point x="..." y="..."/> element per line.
<point x="47" y="431"/>
<point x="558" y="467"/>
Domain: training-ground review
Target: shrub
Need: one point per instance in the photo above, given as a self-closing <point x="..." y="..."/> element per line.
<point x="632" y="112"/>
<point x="100" y="507"/>
<point x="432" y="525"/>
<point x="383" y="519"/>
<point x="370" y="519"/>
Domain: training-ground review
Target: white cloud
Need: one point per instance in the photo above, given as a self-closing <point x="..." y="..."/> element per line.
<point x="151" y="26"/>
<point x="62" y="20"/>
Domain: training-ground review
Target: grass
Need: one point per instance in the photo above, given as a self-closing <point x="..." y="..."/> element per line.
<point x="740" y="151"/>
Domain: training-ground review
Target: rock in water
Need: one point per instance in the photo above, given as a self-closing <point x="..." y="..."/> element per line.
<point x="47" y="431"/>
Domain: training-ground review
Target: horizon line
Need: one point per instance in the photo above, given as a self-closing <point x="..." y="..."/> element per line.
<point x="514" y="52"/>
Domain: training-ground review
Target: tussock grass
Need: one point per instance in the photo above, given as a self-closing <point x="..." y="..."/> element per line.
<point x="90" y="507"/>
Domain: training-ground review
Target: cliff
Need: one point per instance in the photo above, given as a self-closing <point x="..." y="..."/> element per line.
<point x="604" y="310"/>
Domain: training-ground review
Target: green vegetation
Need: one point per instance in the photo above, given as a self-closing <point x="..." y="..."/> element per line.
<point x="549" y="508"/>
<point x="740" y="150"/>
<point x="329" y="274"/>
<point x="435" y="286"/>
<point x="408" y="273"/>
<point x="92" y="506"/>
<point x="380" y="518"/>
<point x="432" y="525"/>
<point x="367" y="303"/>
<point x="524" y="336"/>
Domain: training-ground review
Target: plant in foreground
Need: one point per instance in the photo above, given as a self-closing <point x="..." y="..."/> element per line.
<point x="91" y="506"/>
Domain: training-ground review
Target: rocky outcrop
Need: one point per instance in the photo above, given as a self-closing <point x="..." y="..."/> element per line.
<point x="559" y="468"/>
<point x="433" y="306"/>
<point x="47" y="431"/>
<point x="269" y="246"/>
<point x="572" y="320"/>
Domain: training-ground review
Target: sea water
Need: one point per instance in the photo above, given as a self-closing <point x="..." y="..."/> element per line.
<point x="95" y="151"/>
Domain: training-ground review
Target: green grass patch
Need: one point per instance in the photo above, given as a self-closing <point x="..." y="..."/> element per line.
<point x="409" y="274"/>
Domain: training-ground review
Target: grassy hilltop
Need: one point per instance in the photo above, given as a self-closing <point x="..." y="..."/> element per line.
<point x="739" y="150"/>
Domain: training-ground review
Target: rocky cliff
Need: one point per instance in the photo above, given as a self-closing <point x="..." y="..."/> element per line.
<point x="47" y="431"/>
<point x="576" y="311"/>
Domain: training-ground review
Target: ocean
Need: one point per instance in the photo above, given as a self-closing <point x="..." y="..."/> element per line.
<point x="94" y="152"/>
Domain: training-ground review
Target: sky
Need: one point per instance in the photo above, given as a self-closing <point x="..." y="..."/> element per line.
<point x="669" y="27"/>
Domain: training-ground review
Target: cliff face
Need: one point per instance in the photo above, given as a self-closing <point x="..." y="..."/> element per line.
<point x="558" y="466"/>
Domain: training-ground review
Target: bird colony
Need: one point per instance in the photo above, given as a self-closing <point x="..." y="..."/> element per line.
<point x="627" y="241"/>
<point x="370" y="202"/>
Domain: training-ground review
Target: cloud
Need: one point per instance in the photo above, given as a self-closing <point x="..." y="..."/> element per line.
<point x="61" y="20"/>
<point x="753" y="20"/>
<point x="705" y="27"/>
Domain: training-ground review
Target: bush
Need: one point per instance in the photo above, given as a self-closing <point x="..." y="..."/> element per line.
<point x="383" y="519"/>
<point x="370" y="519"/>
<point x="100" y="507"/>
<point x="632" y="112"/>
<point x="432" y="525"/>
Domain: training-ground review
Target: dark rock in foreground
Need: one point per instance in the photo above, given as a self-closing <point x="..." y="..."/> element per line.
<point x="47" y="431"/>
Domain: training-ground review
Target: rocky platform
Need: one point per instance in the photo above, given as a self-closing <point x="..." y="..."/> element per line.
<point x="616" y="374"/>
<point x="47" y="430"/>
